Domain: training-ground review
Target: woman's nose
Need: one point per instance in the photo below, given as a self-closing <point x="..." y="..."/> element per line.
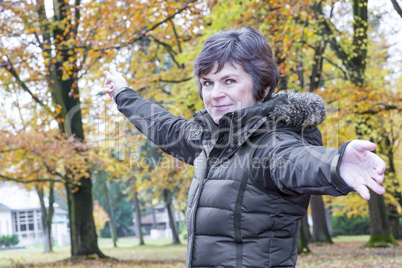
<point x="217" y="92"/>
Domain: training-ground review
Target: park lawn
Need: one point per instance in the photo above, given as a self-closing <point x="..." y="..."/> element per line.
<point x="346" y="252"/>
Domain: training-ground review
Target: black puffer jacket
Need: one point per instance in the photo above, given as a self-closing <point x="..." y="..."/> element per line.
<point x="254" y="174"/>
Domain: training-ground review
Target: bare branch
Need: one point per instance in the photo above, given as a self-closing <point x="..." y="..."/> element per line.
<point x="174" y="81"/>
<point x="10" y="68"/>
<point x="9" y="150"/>
<point x="169" y="50"/>
<point x="337" y="66"/>
<point x="384" y="107"/>
<point x="397" y="7"/>
<point x="170" y="17"/>
<point x="21" y="180"/>
<point x="176" y="35"/>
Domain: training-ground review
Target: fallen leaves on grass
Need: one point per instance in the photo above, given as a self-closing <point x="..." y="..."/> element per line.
<point x="339" y="255"/>
<point x="350" y="254"/>
<point x="106" y="263"/>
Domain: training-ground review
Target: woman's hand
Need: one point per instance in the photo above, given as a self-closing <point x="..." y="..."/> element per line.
<point x="362" y="169"/>
<point x="114" y="81"/>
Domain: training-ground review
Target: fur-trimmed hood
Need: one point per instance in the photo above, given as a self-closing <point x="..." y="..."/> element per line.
<point x="302" y="110"/>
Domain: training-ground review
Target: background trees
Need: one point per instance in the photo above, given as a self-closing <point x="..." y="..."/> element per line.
<point x="48" y="47"/>
<point x="58" y="128"/>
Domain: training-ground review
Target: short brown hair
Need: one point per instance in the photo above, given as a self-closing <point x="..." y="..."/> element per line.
<point x="246" y="47"/>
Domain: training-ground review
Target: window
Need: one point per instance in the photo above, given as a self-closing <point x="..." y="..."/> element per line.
<point x="27" y="224"/>
<point x="15" y="222"/>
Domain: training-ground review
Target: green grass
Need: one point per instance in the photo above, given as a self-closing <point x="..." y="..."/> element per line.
<point x="351" y="238"/>
<point x="128" y="248"/>
<point x="347" y="251"/>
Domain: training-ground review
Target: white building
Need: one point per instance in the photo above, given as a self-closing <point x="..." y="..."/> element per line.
<point x="156" y="224"/>
<point x="20" y="214"/>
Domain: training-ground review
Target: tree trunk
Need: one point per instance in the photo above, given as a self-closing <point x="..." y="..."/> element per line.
<point x="380" y="234"/>
<point x="47" y="216"/>
<point x="315" y="77"/>
<point x="394" y="221"/>
<point x="154" y="223"/>
<point x="168" y="202"/>
<point x="110" y="212"/>
<point x="390" y="175"/>
<point x="306" y="229"/>
<point x="137" y="217"/>
<point x="283" y="81"/>
<point x="302" y="242"/>
<point x="320" y="224"/>
<point x="83" y="236"/>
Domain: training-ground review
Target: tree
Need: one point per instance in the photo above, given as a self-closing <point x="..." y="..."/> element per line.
<point x="164" y="177"/>
<point x="58" y="45"/>
<point x="302" y="240"/>
<point x="45" y="155"/>
<point x="47" y="216"/>
<point x="172" y="222"/>
<point x="355" y="63"/>
<point x="137" y="217"/>
<point x="320" y="220"/>
<point x="103" y="180"/>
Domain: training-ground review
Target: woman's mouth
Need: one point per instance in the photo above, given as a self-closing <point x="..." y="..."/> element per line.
<point x="222" y="106"/>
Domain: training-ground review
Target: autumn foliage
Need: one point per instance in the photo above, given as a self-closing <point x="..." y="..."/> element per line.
<point x="57" y="125"/>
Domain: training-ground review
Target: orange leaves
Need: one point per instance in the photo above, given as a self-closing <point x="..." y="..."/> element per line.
<point x="363" y="100"/>
<point x="37" y="155"/>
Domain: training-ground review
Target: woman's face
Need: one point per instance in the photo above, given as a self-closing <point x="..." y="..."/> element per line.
<point x="226" y="91"/>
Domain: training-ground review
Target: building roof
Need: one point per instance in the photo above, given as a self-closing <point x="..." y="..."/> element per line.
<point x="160" y="218"/>
<point x="18" y="198"/>
<point x="13" y="197"/>
<point x="4" y="208"/>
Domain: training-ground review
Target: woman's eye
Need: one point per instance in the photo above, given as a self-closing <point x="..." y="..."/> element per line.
<point x="207" y="84"/>
<point x="230" y="81"/>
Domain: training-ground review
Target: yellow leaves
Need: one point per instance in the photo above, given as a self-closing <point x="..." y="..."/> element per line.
<point x="309" y="32"/>
<point x="58" y="109"/>
<point x="352" y="205"/>
<point x="100" y="217"/>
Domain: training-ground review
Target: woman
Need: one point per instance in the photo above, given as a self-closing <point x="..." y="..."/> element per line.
<point x="258" y="156"/>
